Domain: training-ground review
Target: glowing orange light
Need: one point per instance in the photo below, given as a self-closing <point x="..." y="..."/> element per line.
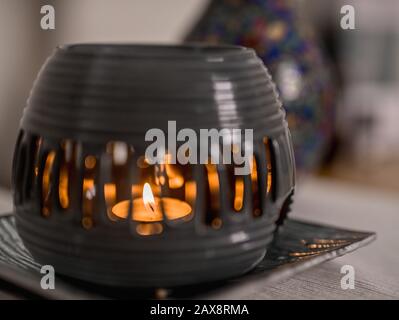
<point x="149" y="208"/>
<point x="239" y="194"/>
<point x="46" y="187"/>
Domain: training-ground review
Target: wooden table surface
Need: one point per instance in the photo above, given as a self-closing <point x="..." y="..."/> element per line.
<point x="350" y="206"/>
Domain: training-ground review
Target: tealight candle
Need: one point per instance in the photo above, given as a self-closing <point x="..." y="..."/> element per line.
<point x="149" y="208"/>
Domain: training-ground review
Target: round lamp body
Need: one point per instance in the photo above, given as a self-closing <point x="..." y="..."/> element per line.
<point x="88" y="201"/>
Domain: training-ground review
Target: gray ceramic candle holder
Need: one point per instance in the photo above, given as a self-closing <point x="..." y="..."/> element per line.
<point x="79" y="167"/>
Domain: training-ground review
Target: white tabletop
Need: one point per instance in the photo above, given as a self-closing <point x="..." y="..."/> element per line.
<point x="376" y="265"/>
<point x="335" y="203"/>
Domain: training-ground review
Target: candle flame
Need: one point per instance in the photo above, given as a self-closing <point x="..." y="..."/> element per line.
<point x="148" y="198"/>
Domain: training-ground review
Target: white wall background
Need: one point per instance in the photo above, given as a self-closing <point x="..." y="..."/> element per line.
<point x="125" y="20"/>
<point x="24" y="45"/>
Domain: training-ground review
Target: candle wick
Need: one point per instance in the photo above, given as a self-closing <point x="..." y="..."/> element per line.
<point x="151" y="207"/>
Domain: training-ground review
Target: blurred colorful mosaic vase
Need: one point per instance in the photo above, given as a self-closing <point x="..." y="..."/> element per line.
<point x="293" y="58"/>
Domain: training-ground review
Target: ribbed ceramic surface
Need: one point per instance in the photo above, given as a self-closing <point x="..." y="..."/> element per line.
<point x="95" y="92"/>
<point x="178" y="258"/>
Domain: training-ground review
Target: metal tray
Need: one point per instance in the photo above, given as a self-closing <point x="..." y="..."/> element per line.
<point x="298" y="246"/>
